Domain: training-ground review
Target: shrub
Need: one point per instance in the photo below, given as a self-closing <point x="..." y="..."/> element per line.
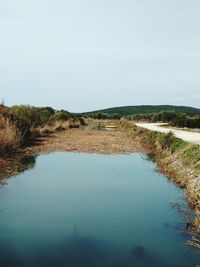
<point x="62" y="115"/>
<point x="192" y="155"/>
<point x="166" y="140"/>
<point x="170" y="142"/>
<point x="148" y="139"/>
<point x="28" y="117"/>
<point x="82" y="121"/>
<point x="10" y="137"/>
<point x="164" y="116"/>
<point x="50" y="110"/>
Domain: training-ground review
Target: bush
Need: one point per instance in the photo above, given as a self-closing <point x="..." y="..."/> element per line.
<point x="164" y="116"/>
<point x="10" y="137"/>
<point x="169" y="141"/>
<point x="192" y="155"/>
<point x="148" y="139"/>
<point x="186" y="122"/>
<point x="28" y="117"/>
<point x="104" y="116"/>
<point x="166" y="140"/>
<point x="82" y="122"/>
<point x="61" y="115"/>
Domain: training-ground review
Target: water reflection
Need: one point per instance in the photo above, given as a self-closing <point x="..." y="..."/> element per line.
<point x="28" y="161"/>
<point x="82" y="252"/>
<point x="101" y="127"/>
<point x="15" y="166"/>
<point x="8" y="256"/>
<point x="77" y="252"/>
<point x="82" y="210"/>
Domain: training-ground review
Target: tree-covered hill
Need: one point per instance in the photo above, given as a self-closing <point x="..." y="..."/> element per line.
<point x="146" y="109"/>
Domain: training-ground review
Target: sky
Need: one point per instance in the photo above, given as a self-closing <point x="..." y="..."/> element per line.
<point x="83" y="55"/>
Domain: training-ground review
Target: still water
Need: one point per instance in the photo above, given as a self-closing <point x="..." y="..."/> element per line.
<point x="87" y="210"/>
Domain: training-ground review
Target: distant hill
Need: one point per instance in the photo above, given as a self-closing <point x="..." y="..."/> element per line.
<point x="145" y="109"/>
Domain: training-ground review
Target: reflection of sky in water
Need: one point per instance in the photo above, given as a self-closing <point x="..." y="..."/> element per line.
<point x="84" y="210"/>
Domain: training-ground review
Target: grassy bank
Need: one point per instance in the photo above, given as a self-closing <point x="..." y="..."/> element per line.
<point x="178" y="160"/>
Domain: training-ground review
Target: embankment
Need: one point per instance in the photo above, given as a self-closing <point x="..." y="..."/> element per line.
<point x="179" y="161"/>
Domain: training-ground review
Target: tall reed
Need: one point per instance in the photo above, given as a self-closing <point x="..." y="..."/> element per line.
<point x="10" y="136"/>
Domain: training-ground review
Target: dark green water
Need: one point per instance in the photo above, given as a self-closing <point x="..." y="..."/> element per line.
<point x="86" y="210"/>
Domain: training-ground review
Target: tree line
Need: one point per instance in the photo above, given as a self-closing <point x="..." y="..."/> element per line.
<point x="169" y="116"/>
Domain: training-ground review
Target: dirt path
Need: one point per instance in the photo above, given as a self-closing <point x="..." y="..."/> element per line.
<point x="184" y="135"/>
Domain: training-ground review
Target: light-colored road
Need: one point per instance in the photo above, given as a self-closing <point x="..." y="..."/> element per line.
<point x="185" y="135"/>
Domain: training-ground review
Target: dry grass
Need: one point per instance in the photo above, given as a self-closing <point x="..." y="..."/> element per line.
<point x="89" y="141"/>
<point x="58" y="126"/>
<point x="194" y="243"/>
<point x="193" y="195"/>
<point x="53" y="127"/>
<point x="9" y="136"/>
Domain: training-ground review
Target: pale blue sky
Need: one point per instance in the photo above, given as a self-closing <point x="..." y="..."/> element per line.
<point x="89" y="54"/>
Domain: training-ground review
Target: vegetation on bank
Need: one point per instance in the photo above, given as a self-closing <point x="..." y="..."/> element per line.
<point x="10" y="136"/>
<point x="179" y="160"/>
<point x="19" y="124"/>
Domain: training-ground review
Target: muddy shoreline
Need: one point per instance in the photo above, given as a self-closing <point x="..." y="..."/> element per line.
<point x="72" y="140"/>
<point x="170" y="163"/>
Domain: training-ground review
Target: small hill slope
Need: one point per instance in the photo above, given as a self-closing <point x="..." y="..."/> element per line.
<point x="146" y="109"/>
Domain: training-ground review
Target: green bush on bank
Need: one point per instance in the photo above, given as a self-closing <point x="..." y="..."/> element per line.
<point x="192" y="156"/>
<point x="170" y="142"/>
<point x="19" y="124"/>
<point x="26" y="118"/>
<point x="166" y="140"/>
<point x="155" y="141"/>
<point x="61" y="115"/>
<point x="148" y="139"/>
<point x="29" y="117"/>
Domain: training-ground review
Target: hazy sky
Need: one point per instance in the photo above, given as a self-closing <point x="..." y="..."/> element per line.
<point x="87" y="54"/>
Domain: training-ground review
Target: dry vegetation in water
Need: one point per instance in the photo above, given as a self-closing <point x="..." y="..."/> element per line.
<point x="83" y="140"/>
